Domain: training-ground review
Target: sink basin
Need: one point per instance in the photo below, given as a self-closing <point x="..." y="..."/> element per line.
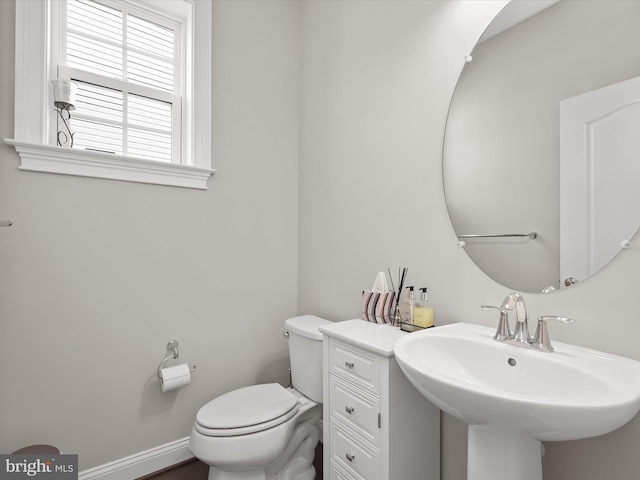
<point x="517" y="396"/>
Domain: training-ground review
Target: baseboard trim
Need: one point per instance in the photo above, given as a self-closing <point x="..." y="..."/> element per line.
<point x="141" y="464"/>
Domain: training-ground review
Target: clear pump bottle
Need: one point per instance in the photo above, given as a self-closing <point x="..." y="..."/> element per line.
<point x="407" y="306"/>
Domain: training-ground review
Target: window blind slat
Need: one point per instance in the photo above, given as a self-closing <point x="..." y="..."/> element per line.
<point x="139" y="144"/>
<point x="89" y="26"/>
<point x="99" y="131"/>
<point x="150" y="37"/>
<point x="99" y="102"/>
<point x="93" y="56"/>
<point x="149" y="138"/>
<point x="157" y="149"/>
<point x="151" y="120"/>
<point x="97" y="136"/>
<point x="142" y="62"/>
<point x="91" y="18"/>
<point x="143" y="70"/>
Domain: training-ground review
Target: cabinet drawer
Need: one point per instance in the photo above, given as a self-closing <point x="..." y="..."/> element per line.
<point x="358" y="409"/>
<point x="353" y="455"/>
<point x="338" y="473"/>
<point x="355" y="364"/>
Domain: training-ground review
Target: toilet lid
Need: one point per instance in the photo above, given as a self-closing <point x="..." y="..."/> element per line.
<point x="248" y="406"/>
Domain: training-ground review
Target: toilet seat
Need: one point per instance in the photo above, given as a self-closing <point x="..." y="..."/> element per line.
<point x="247" y="410"/>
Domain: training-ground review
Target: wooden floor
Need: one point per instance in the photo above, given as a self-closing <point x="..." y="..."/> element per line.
<point x="196" y="470"/>
<point x="189" y="470"/>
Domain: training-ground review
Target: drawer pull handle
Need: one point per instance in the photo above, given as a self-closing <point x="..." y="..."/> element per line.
<point x="349" y="410"/>
<point x="350" y="456"/>
<point x="349" y="365"/>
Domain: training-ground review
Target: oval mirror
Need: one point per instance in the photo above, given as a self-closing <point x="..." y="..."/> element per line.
<point x="541" y="153"/>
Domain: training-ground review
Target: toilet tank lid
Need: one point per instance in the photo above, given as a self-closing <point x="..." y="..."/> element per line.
<point x="306" y="326"/>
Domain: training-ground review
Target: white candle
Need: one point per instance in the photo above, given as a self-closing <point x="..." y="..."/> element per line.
<point x="64" y="94"/>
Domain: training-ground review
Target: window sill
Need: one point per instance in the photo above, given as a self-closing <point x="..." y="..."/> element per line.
<point x="67" y="161"/>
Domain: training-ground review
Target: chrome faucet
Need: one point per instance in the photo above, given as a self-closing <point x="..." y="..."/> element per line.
<point x="514" y="301"/>
<point x="521" y="336"/>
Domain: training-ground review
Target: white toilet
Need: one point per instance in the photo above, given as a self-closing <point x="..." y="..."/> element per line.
<point x="267" y="432"/>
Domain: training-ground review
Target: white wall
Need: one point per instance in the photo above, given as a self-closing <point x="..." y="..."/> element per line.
<point x="377" y="80"/>
<point x="94" y="272"/>
<point x="97" y="275"/>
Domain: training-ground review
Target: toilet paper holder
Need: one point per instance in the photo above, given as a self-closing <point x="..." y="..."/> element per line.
<point x="173" y="347"/>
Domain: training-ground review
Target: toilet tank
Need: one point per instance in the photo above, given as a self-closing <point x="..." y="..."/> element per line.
<point x="305" y="354"/>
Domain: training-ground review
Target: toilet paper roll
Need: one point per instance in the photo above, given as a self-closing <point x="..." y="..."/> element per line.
<point x="172" y="378"/>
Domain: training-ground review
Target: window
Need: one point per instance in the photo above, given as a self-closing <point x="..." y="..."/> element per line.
<point x="126" y="67"/>
<point x="143" y="89"/>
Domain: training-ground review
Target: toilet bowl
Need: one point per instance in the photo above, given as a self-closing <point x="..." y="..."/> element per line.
<point x="267" y="431"/>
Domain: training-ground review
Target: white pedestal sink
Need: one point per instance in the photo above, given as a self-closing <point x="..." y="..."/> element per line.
<point x="512" y="398"/>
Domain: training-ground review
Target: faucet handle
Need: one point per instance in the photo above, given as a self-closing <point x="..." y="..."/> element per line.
<point x="541" y="339"/>
<point x="503" y="332"/>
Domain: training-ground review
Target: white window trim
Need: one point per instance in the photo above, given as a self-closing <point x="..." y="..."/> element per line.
<point x="32" y="108"/>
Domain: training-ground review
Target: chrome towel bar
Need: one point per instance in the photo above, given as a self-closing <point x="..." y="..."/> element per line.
<point x="532" y="234"/>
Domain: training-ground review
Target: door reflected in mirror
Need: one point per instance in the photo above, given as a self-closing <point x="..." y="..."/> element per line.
<point x="502" y="159"/>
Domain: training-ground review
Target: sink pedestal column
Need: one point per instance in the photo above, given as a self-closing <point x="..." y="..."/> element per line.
<point x="496" y="452"/>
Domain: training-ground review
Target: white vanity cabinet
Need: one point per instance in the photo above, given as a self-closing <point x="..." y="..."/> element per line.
<point x="377" y="426"/>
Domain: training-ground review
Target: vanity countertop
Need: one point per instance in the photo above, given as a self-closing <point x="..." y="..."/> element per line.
<point x="377" y="338"/>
